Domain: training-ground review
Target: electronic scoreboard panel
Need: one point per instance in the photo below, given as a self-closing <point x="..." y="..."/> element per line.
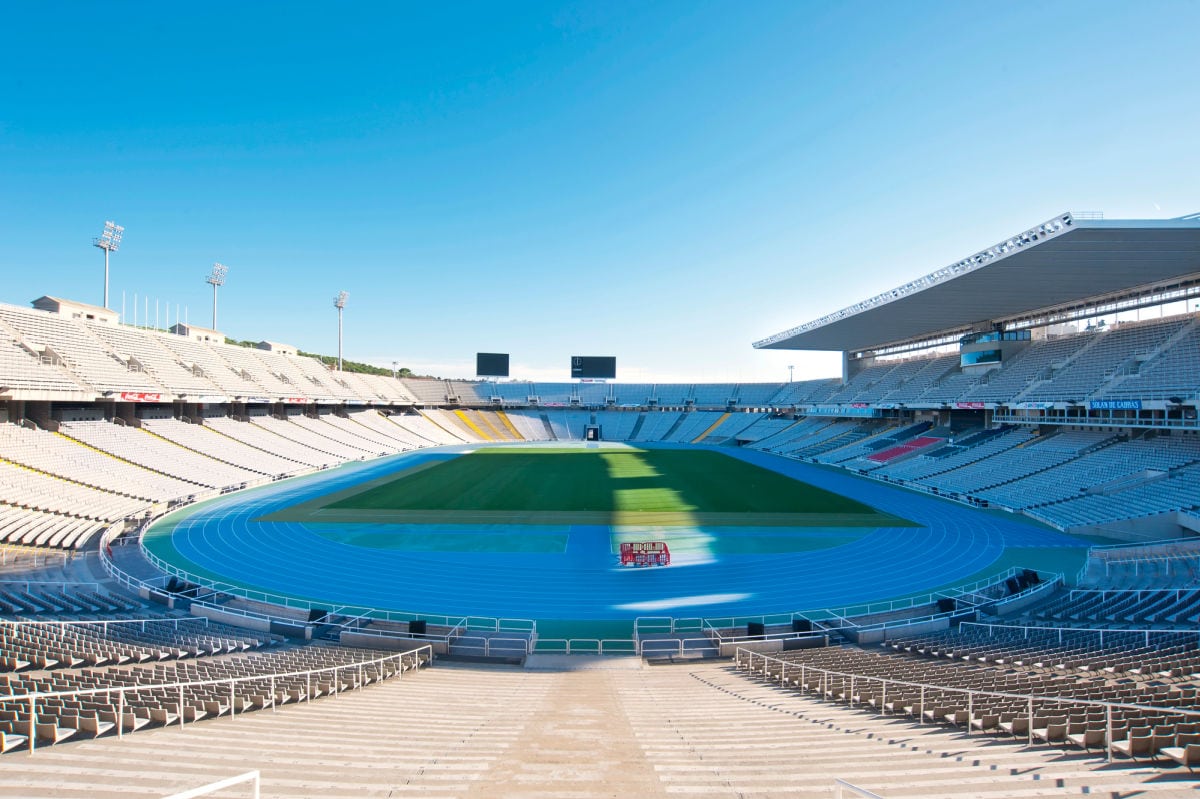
<point x="597" y="367"/>
<point x="491" y="364"/>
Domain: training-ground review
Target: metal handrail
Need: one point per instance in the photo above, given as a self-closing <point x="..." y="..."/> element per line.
<point x="970" y="693"/>
<point x="463" y="623"/>
<point x="92" y="585"/>
<point x="840" y="789"/>
<point x="1083" y="631"/>
<point x="232" y="682"/>
<point x="438" y="619"/>
<point x="104" y="623"/>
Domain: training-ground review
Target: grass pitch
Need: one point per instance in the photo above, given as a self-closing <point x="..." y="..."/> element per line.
<point x="605" y="486"/>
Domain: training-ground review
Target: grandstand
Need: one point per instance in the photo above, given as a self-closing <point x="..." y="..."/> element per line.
<point x="1052" y="375"/>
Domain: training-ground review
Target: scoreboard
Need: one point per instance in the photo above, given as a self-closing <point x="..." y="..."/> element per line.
<point x="491" y="364"/>
<point x="600" y="367"/>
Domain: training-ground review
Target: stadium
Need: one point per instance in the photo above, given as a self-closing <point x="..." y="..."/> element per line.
<point x="965" y="566"/>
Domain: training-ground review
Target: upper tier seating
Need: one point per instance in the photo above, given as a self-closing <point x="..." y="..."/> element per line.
<point x="1104" y="355"/>
<point x="1001" y="385"/>
<point x="930" y="373"/>
<point x="201" y="359"/>
<point x="148" y="349"/>
<point x="1172" y="373"/>
<point x="85" y="355"/>
<point x="26" y="371"/>
<point x="757" y="395"/>
<point x="426" y="391"/>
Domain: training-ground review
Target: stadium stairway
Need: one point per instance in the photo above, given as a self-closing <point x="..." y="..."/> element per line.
<point x="607" y="730"/>
<point x="637" y="426"/>
<point x="720" y="421"/>
<point x="471" y="425"/>
<point x="512" y="430"/>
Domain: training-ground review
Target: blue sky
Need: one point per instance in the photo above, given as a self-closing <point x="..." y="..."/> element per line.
<point x="662" y="182"/>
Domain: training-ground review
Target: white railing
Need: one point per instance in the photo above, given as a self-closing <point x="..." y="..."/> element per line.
<point x="436" y="619"/>
<point x="491" y="646"/>
<point x="745" y="659"/>
<point x="420" y="656"/>
<point x="872" y="608"/>
<point x="56" y="583"/>
<point x="252" y="777"/>
<point x="104" y="624"/>
<point x="842" y="789"/>
<point x="1081" y="632"/>
<point x="1176" y="550"/>
<point x="17" y="551"/>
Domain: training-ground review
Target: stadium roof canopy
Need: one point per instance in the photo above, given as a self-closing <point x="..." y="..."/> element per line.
<point x="1065" y="262"/>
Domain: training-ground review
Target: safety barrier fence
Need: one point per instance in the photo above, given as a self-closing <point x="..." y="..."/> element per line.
<point x="421" y="656"/>
<point x="352" y="618"/>
<point x="777" y="669"/>
<point x="104" y="624"/>
<point x="1172" y="552"/>
<point x="91" y="586"/>
<point x="219" y="587"/>
<point x="1059" y="633"/>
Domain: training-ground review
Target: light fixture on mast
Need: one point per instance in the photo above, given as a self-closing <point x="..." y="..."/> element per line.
<point x="109" y="241"/>
<point x="339" y="302"/>
<point x="216" y="278"/>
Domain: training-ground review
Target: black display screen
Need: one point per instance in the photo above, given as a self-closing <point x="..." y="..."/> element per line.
<point x="600" y="367"/>
<point x="491" y="364"/>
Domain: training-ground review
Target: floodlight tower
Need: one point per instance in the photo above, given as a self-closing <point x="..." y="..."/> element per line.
<point x="109" y="241"/>
<point x="790" y="368"/>
<point x="339" y="302"/>
<point x="216" y="278"/>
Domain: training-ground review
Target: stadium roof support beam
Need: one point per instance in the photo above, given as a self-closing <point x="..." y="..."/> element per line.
<point x="1064" y="262"/>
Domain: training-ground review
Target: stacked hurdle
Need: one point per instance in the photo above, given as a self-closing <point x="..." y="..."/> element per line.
<point x="645" y="553"/>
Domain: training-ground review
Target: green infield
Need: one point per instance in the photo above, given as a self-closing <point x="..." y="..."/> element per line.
<point x="586" y="486"/>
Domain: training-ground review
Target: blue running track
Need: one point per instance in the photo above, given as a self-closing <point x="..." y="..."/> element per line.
<point x="220" y="539"/>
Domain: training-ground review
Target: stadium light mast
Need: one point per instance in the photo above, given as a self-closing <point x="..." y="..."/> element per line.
<point x="216" y="278"/>
<point x="339" y="302"/>
<point x="790" y="368"/>
<point x="109" y="241"/>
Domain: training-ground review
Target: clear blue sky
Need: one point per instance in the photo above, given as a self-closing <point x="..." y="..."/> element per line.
<point x="662" y="182"/>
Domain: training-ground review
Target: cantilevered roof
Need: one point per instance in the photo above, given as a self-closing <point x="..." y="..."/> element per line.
<point x="1062" y="262"/>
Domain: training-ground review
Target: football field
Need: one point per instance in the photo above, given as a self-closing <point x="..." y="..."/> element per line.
<point x="592" y="486"/>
